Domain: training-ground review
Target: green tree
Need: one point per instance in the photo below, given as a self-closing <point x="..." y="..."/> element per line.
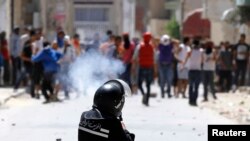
<point x="173" y="28"/>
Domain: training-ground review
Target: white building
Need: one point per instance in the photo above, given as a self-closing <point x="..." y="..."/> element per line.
<point x="129" y="16"/>
<point x="221" y="30"/>
<point x="98" y="16"/>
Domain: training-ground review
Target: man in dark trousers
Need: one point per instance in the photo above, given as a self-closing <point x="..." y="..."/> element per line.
<point x="241" y="56"/>
<point x="104" y="121"/>
<point x="49" y="58"/>
<point x="144" y="57"/>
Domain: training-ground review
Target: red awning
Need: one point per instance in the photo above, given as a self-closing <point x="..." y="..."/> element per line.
<point x="195" y="26"/>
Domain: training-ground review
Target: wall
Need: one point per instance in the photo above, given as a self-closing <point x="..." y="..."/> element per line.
<point x="158" y="27"/>
<point x="119" y="13"/>
<point x="191" y="5"/>
<point x="142" y="16"/>
<point x="213" y="11"/>
<point x="157" y="10"/>
<point x="215" y="8"/>
<point x="129" y="17"/>
<point x="55" y="14"/>
<point x="117" y="17"/>
<point x="222" y="31"/>
<point x="5" y="24"/>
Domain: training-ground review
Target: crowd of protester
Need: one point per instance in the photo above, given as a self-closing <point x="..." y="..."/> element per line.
<point x="180" y="66"/>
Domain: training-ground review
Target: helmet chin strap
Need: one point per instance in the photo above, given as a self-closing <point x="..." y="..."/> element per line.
<point x="120" y="103"/>
<point x="120" y="117"/>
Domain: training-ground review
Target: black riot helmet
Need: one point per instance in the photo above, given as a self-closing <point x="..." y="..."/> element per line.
<point x="109" y="99"/>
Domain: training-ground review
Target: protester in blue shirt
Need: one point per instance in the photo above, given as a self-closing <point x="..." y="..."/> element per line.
<point x="49" y="58"/>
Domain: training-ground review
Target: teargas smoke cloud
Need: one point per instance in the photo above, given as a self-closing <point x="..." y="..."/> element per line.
<point x="91" y="70"/>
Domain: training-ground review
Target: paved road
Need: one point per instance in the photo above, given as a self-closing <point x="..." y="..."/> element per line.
<point x="24" y="119"/>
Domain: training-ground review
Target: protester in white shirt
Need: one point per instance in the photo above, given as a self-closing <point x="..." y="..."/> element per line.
<point x="241" y="57"/>
<point x="194" y="75"/>
<point x="209" y="64"/>
<point x="182" y="69"/>
<point x="24" y="37"/>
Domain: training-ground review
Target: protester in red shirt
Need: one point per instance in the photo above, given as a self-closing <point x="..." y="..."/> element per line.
<point x="6" y="57"/>
<point x="127" y="55"/>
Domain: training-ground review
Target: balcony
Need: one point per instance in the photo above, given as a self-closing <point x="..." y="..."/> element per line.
<point x="243" y="2"/>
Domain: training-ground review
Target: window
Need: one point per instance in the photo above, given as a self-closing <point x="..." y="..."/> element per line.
<point x="92" y="14"/>
<point x="168" y="14"/>
<point x="170" y="0"/>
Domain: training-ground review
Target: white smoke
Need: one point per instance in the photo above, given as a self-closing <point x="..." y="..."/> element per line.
<point x="91" y="70"/>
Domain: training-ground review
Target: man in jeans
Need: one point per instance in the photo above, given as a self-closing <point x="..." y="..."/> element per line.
<point x="15" y="50"/>
<point x="165" y="65"/>
<point x="241" y="54"/>
<point x="226" y="66"/>
<point x="194" y="75"/>
<point x="209" y="64"/>
<point x="144" y="55"/>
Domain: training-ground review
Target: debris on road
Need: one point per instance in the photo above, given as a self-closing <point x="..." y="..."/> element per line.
<point x="233" y="106"/>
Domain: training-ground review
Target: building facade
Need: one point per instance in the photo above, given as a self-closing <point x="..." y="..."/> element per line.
<point x="46" y="14"/>
<point x="221" y="30"/>
<point x="85" y="17"/>
<point x="55" y="15"/>
<point x="5" y="24"/>
<point x="97" y="16"/>
<point x="151" y="16"/>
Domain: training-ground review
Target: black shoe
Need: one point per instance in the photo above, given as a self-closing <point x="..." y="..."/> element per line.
<point x="144" y="101"/>
<point x="37" y="96"/>
<point x="184" y="96"/>
<point x="46" y="102"/>
<point x="193" y="104"/>
<point x="56" y="100"/>
<point x="162" y="96"/>
<point x="205" y="100"/>
<point x="146" y="104"/>
<point x="215" y="97"/>
<point x="169" y="96"/>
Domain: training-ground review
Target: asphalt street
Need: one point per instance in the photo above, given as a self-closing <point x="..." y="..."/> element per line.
<point x="25" y="119"/>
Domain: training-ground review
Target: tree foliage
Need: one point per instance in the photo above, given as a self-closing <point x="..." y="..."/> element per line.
<point x="173" y="28"/>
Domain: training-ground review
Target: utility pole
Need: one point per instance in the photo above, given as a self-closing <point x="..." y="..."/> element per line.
<point x="182" y="17"/>
<point x="12" y="18"/>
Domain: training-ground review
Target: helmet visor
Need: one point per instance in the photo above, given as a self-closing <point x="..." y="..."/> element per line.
<point x="126" y="87"/>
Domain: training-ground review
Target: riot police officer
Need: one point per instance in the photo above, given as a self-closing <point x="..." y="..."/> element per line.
<point x="104" y="121"/>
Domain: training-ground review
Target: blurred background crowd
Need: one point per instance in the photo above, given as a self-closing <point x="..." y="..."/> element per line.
<point x="29" y="60"/>
<point x="179" y="44"/>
